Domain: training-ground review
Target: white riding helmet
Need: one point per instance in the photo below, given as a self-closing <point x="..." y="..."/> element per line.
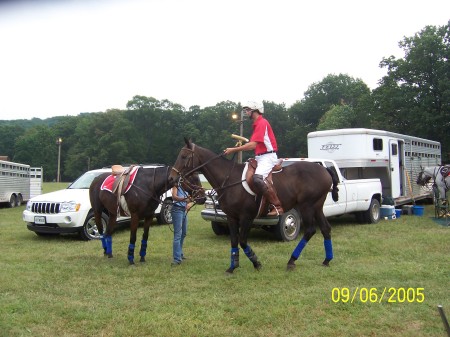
<point x="254" y="106"/>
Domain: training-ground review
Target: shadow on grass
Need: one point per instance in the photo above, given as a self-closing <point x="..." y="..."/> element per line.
<point x="120" y="228"/>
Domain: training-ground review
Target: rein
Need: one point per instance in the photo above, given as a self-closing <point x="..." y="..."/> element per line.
<point x="152" y="195"/>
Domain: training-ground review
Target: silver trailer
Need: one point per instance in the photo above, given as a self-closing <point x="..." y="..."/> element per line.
<point x="394" y="158"/>
<point x="14" y="183"/>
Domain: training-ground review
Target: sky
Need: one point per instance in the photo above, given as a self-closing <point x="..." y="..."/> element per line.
<point x="66" y="57"/>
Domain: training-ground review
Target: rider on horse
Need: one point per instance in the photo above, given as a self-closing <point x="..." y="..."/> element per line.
<point x="265" y="145"/>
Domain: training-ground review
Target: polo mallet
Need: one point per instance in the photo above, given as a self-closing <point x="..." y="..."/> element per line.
<point x="444" y="319"/>
<point x="240" y="139"/>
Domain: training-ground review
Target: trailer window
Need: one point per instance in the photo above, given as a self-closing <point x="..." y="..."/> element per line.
<point x="378" y="144"/>
<point x="394" y="149"/>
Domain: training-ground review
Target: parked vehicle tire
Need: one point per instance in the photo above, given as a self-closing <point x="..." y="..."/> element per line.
<point x="12" y="201"/>
<point x="220" y="228"/>
<point x="288" y="227"/>
<point x="89" y="231"/>
<point x="372" y="215"/>
<point x="165" y="217"/>
<point x="19" y="200"/>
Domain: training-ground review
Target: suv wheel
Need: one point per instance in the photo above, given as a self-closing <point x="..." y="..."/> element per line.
<point x="89" y="231"/>
<point x="164" y="216"/>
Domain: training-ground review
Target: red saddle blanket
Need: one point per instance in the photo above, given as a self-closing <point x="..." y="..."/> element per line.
<point x="109" y="181"/>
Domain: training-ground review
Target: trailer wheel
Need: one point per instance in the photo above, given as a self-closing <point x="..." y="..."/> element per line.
<point x="372" y="215"/>
<point x="12" y="201"/>
<point x="19" y="200"/>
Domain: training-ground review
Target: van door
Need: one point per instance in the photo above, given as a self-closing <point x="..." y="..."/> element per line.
<point x="394" y="168"/>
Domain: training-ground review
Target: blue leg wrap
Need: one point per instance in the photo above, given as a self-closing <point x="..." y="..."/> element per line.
<point x="234" y="258"/>
<point x="103" y="242"/>
<point x="131" y="253"/>
<point x="143" y="251"/>
<point x="298" y="250"/>
<point x="248" y="251"/>
<point x="328" y="249"/>
<point x="108" y="240"/>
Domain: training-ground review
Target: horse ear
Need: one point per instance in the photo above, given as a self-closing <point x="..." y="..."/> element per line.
<point x="188" y="142"/>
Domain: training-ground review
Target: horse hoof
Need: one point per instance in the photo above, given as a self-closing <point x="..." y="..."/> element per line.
<point x="142" y="259"/>
<point x="258" y="266"/>
<point x="229" y="271"/>
<point x="290" y="266"/>
<point x="326" y="263"/>
<point x="109" y="256"/>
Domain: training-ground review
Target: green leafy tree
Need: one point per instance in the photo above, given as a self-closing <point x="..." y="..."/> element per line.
<point x="414" y="96"/>
<point x="37" y="147"/>
<point x="338" y="117"/>
<point x="320" y="97"/>
<point x="332" y="90"/>
<point x="8" y="136"/>
<point x="216" y="124"/>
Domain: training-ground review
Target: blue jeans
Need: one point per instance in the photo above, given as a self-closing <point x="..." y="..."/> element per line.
<point x="180" y="221"/>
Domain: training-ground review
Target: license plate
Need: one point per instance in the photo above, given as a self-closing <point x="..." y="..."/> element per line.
<point x="39" y="220"/>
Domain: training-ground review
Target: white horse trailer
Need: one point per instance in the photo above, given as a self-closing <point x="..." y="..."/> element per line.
<point x="394" y="158"/>
<point x="14" y="183"/>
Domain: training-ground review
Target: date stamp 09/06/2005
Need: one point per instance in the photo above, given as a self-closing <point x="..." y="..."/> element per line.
<point x="378" y="295"/>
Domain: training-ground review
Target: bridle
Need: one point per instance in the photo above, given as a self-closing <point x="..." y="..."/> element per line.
<point x="190" y="161"/>
<point x="190" y="164"/>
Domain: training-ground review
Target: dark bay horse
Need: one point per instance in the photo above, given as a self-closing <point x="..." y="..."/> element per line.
<point x="142" y="198"/>
<point x="303" y="186"/>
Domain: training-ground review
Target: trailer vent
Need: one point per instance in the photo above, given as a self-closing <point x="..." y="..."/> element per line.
<point x="45" y="207"/>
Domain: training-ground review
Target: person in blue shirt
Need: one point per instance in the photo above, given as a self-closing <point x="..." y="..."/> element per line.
<point x="182" y="202"/>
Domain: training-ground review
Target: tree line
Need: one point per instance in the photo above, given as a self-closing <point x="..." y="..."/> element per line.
<point x="413" y="98"/>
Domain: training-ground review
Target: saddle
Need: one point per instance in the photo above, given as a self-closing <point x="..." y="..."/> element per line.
<point x="122" y="178"/>
<point x="251" y="167"/>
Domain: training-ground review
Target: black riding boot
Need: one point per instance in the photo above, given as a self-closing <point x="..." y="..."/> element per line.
<point x="268" y="190"/>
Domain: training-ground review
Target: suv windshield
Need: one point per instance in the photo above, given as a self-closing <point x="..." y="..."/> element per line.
<point x="85" y="180"/>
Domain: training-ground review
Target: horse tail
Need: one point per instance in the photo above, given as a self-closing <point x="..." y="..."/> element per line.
<point x="335" y="190"/>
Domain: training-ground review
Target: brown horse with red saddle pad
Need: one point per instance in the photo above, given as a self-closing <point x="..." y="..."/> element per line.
<point x="135" y="192"/>
<point x="302" y="185"/>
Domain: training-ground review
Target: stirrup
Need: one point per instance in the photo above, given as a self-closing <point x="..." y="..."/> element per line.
<point x="276" y="213"/>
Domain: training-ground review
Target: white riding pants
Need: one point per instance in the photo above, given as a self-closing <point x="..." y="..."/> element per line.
<point x="265" y="163"/>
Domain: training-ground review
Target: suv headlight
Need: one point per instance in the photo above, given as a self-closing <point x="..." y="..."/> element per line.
<point x="70" y="206"/>
<point x="29" y="203"/>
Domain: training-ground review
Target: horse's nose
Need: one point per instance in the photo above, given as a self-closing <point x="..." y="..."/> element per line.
<point x="172" y="179"/>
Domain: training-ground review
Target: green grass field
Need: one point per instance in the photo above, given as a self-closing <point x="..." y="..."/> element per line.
<point x="61" y="286"/>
